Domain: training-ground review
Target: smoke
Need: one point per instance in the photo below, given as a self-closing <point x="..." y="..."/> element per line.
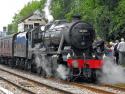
<point x="44" y="62"/>
<point x="62" y="71"/>
<point x="112" y="73"/>
<point x="46" y="9"/>
<point x="50" y="66"/>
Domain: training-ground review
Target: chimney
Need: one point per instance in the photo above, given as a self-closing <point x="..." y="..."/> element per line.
<point x="76" y="17"/>
<point x="4" y="29"/>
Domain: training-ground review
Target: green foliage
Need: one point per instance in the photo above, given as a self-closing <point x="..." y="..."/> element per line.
<point x="12" y="28"/>
<point x="103" y="21"/>
<point x="57" y="7"/>
<point x="107" y="16"/>
<point x="24" y="12"/>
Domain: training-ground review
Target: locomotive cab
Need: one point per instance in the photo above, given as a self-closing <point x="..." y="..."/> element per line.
<point x="35" y="36"/>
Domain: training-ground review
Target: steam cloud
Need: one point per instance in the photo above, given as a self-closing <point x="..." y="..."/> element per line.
<point x="62" y="72"/>
<point x="48" y="15"/>
<point x="43" y="62"/>
<point x="112" y="73"/>
<point x="50" y="66"/>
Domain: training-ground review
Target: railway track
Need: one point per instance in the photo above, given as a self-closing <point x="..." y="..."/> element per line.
<point x="18" y="86"/>
<point x="5" y="91"/>
<point x="100" y="88"/>
<point x="29" y="91"/>
<point x="55" y="86"/>
<point x="96" y="89"/>
<point x="115" y="87"/>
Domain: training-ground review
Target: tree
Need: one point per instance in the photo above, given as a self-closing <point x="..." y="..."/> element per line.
<point x="24" y="12"/>
<point x="107" y="16"/>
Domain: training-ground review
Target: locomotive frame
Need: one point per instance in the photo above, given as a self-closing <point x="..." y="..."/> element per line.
<point x="22" y="49"/>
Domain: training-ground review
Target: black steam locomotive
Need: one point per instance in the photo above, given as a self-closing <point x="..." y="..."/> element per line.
<point x="44" y="48"/>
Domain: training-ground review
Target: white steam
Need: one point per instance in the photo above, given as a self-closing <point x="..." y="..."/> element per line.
<point x="44" y="62"/>
<point x="48" y="15"/>
<point x="112" y="73"/>
<point x="50" y="67"/>
<point x="62" y="72"/>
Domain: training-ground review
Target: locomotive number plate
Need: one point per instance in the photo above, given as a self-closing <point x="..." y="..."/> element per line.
<point x="83" y="31"/>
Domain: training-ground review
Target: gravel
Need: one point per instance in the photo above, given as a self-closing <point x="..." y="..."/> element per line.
<point x="13" y="89"/>
<point x="38" y="89"/>
<point x="44" y="90"/>
<point x="116" y="91"/>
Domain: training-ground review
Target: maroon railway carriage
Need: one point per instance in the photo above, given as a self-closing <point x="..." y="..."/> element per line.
<point x="6" y="49"/>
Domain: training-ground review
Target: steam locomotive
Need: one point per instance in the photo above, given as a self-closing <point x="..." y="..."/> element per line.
<point x="44" y="48"/>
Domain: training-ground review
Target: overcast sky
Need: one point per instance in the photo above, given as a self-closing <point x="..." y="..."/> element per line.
<point x="7" y="10"/>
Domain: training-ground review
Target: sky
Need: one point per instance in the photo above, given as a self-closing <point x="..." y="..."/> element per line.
<point x="8" y="8"/>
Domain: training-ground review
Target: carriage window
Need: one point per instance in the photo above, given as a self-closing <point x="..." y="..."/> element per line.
<point x="4" y="44"/>
<point x="1" y="44"/>
<point x="8" y="44"/>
